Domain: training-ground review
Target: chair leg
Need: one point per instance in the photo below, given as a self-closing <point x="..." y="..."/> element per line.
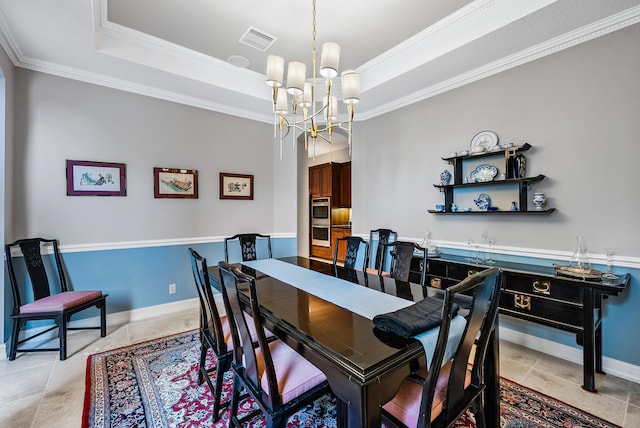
<point x="16" y="326"/>
<point x="223" y="366"/>
<point x="479" y="413"/>
<point x="62" y="334"/>
<point x="276" y="421"/>
<point x="203" y="359"/>
<point x="235" y="400"/>
<point x="103" y="318"/>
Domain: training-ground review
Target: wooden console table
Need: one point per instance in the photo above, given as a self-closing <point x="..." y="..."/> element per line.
<point x="537" y="294"/>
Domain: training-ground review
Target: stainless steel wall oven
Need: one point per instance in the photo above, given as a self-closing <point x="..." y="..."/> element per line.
<point x="321" y="222"/>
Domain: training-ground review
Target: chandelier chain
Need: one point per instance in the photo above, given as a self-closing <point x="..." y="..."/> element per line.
<point x="314" y="30"/>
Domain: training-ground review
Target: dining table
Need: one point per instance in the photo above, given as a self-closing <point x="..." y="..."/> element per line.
<point x="302" y="302"/>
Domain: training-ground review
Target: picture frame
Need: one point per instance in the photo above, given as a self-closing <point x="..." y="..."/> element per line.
<point x="236" y="186"/>
<point x="89" y="178"/>
<point x="175" y="183"/>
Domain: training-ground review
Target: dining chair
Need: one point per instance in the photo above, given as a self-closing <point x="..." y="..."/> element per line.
<point x="215" y="333"/>
<point x="439" y="395"/>
<point x="381" y="236"/>
<point x="279" y="380"/>
<point x="402" y="253"/>
<point x="353" y="248"/>
<point x="248" y="245"/>
<point x="50" y="298"/>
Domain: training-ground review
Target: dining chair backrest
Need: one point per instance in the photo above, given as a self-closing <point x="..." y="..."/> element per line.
<point x="249" y="248"/>
<point x="401" y="254"/>
<point x="451" y="387"/>
<point x="377" y="237"/>
<point x="212" y="334"/>
<point x="485" y="289"/>
<point x="353" y="249"/>
<point x="244" y="354"/>
<point x="210" y="320"/>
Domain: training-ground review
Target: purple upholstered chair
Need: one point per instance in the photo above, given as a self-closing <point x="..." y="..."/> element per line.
<point x="51" y="298"/>
<point x="278" y="379"/>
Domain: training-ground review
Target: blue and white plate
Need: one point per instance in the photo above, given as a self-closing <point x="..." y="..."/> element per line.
<point x="483" y="173"/>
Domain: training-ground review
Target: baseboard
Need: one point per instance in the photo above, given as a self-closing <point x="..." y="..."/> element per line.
<point x="614" y="367"/>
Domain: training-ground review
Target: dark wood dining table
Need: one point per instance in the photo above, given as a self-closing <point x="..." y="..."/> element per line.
<point x="363" y="365"/>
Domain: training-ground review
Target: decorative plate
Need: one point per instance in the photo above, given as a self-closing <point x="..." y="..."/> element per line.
<point x="483" y="202"/>
<point x="484" y="141"/>
<point x="483" y="173"/>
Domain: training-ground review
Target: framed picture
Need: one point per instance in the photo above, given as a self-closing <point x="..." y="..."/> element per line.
<point x="86" y="178"/>
<point x="175" y="183"/>
<point x="236" y="186"/>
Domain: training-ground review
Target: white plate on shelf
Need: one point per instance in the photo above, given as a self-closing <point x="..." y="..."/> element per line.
<point x="483" y="173"/>
<point x="484" y="141"/>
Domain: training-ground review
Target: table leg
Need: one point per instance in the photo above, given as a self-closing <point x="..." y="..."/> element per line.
<point x="492" y="378"/>
<point x="588" y="345"/>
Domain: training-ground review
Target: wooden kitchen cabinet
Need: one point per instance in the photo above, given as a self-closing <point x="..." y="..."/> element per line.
<point x="339" y="232"/>
<point x="345" y="185"/>
<point x="321" y="180"/>
<point x="331" y="180"/>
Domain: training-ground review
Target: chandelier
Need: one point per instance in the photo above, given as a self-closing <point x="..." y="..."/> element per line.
<point x="304" y="111"/>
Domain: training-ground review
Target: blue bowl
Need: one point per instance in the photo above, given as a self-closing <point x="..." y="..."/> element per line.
<point x="492" y="208"/>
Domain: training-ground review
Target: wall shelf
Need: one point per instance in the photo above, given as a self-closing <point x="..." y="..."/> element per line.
<point x="506" y="159"/>
<point x="546" y="211"/>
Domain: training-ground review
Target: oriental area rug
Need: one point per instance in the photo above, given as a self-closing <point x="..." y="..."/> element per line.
<point x="155" y="384"/>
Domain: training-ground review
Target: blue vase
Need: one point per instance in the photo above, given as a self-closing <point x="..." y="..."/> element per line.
<point x="445" y="177"/>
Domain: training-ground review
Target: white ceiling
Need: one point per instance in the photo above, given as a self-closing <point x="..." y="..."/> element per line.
<point x="405" y="51"/>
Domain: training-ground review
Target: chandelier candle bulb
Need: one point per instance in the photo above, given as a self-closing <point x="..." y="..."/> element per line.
<point x="331" y="102"/>
<point x="296" y="75"/>
<point x="329" y="60"/>
<point x="306" y="95"/>
<point x="275" y="70"/>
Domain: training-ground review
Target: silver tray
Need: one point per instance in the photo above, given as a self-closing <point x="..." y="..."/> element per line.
<point x="577" y="272"/>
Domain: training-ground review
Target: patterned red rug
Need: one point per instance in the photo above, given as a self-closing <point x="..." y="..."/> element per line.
<point x="155" y="384"/>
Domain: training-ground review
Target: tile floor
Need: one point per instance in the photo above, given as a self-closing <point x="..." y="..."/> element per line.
<point x="37" y="390"/>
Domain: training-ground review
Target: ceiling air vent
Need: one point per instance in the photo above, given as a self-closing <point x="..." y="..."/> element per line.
<point x="257" y="39"/>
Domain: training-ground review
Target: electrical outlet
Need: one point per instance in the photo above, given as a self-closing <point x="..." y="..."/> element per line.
<point x="172" y="289"/>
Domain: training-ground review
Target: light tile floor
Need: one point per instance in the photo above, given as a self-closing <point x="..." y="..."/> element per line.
<point x="38" y="390"/>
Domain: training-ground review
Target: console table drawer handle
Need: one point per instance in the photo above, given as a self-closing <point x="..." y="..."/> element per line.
<point x="542" y="287"/>
<point x="436" y="282"/>
<point x="522" y="302"/>
<point x="471" y="272"/>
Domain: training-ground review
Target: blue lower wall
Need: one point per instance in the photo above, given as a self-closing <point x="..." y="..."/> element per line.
<point x="140" y="277"/>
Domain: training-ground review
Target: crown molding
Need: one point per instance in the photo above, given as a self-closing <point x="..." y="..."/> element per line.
<point x="589" y="32"/>
<point x="471" y="22"/>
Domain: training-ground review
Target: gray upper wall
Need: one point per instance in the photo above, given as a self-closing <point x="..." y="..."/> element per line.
<point x="59" y="119"/>
<point x="578" y="108"/>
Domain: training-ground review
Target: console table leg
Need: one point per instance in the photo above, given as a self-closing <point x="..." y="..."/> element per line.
<point x="589" y="343"/>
